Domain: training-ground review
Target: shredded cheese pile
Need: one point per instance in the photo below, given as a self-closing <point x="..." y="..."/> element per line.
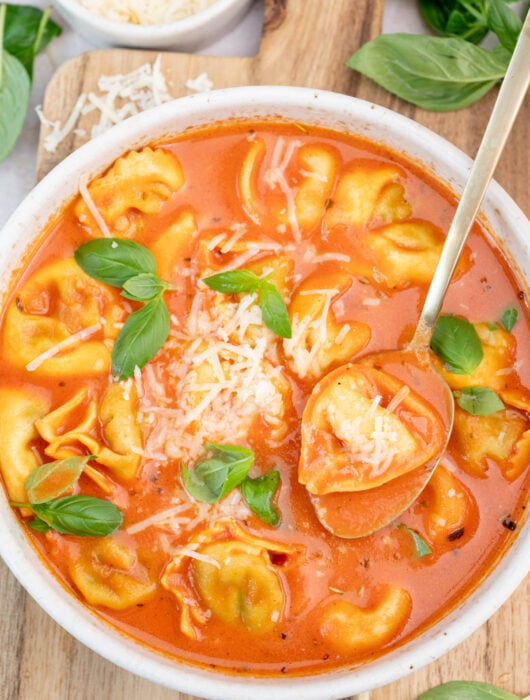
<point x="145" y="11"/>
<point x="119" y="96"/>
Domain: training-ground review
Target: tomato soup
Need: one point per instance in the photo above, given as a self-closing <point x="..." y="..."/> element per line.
<point x="180" y="393"/>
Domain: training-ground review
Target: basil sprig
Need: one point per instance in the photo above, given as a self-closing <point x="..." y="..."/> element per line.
<point x="273" y="308"/>
<point x="468" y="690"/>
<point x="455" y="341"/>
<point x="24" y="32"/>
<point x="85" y="516"/>
<point x="448" y="72"/>
<point x="478" y="400"/>
<point x="421" y="547"/>
<point x="129" y="265"/>
<point x="227" y="467"/>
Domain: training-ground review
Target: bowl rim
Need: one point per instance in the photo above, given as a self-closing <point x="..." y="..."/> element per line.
<point x="27" y="565"/>
<point x="154" y="32"/>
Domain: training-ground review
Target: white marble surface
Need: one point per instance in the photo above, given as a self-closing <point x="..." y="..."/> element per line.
<point x="17" y="172"/>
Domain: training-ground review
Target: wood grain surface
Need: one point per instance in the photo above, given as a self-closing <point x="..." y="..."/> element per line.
<point x="305" y="42"/>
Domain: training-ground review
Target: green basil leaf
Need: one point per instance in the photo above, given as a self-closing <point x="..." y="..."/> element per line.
<point x="27" y="32"/>
<point x="467" y="690"/>
<point x="143" y="334"/>
<point x="144" y="287"/>
<point x="52" y="479"/>
<point x="214" y="478"/>
<point x="114" y="260"/>
<point x="274" y="311"/>
<point x="435" y="14"/>
<point x="505" y="23"/>
<point x="509" y="318"/>
<point x="15" y="88"/>
<point x="85" y="516"/>
<point x="467" y="25"/>
<point x="422" y="548"/>
<point x="434" y="73"/>
<point x="39" y="525"/>
<point x="456" y="342"/>
<point x="258" y="494"/>
<point x="478" y="400"/>
<point x="233" y="281"/>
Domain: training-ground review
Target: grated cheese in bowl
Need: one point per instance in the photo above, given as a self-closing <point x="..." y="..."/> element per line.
<point x="145" y="11"/>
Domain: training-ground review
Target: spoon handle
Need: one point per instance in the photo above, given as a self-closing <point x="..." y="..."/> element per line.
<point x="511" y="95"/>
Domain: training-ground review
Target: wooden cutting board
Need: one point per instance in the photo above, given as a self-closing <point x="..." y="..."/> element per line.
<point x="305" y="42"/>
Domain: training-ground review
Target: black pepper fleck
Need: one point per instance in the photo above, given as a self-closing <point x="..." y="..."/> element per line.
<point x="456" y="534"/>
<point x="509" y="524"/>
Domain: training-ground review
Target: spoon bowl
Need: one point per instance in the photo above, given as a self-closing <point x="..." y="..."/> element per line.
<point x="369" y="439"/>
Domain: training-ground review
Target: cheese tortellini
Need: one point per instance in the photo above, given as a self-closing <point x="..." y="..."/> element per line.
<point x="61" y="321"/>
<point x="349" y="628"/>
<point x="227" y="572"/>
<point x="135" y="186"/>
<point x="109" y="573"/>
<point x="120" y="446"/>
<point x="319" y="342"/>
<point x="19" y="409"/>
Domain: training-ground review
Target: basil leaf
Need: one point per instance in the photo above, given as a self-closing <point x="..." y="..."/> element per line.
<point x="467" y="25"/>
<point x="54" y="478"/>
<point x="456" y="342"/>
<point x="233" y="281"/>
<point x="214" y="478"/>
<point x="434" y="73"/>
<point x="39" y="525"/>
<point x="434" y="14"/>
<point x="479" y="400"/>
<point x="114" y="260"/>
<point x="274" y="311"/>
<point x="144" y="287"/>
<point x="142" y="336"/>
<point x="509" y="318"/>
<point x="422" y="548"/>
<point x="258" y="494"/>
<point x="85" y="516"/>
<point x="15" y="88"/>
<point x="467" y="690"/>
<point x="273" y="308"/>
<point x="27" y="32"/>
<point x="504" y="23"/>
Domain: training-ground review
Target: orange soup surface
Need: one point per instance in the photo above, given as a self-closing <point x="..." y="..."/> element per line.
<point x="342" y="237"/>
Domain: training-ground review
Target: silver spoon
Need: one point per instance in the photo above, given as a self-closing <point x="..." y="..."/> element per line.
<point x="358" y="513"/>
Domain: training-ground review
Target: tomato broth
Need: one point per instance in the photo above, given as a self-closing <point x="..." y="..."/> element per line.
<point x="347" y="234"/>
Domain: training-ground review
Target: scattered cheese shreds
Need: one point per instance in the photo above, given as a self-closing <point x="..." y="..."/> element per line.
<point x="119" y="96"/>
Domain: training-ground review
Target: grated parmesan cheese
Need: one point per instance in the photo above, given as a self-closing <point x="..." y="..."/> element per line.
<point x="119" y="96"/>
<point x="145" y="11"/>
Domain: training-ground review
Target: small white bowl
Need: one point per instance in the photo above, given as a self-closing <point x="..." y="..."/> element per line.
<point x="188" y="34"/>
<point x="307" y="106"/>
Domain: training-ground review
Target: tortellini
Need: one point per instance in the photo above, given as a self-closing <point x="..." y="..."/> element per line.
<point x="349" y="628"/>
<point x="368" y="192"/>
<point x="502" y="437"/>
<point x="449" y="506"/>
<point x="319" y="341"/>
<point x="120" y="445"/>
<point x="19" y="409"/>
<point x="174" y="246"/>
<point x="135" y="186"/>
<point x="60" y="322"/>
<point x="359" y="431"/>
<point x="109" y="573"/>
<point x="300" y="180"/>
<point x="234" y="579"/>
<point x="407" y="252"/>
<point x="497" y="368"/>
